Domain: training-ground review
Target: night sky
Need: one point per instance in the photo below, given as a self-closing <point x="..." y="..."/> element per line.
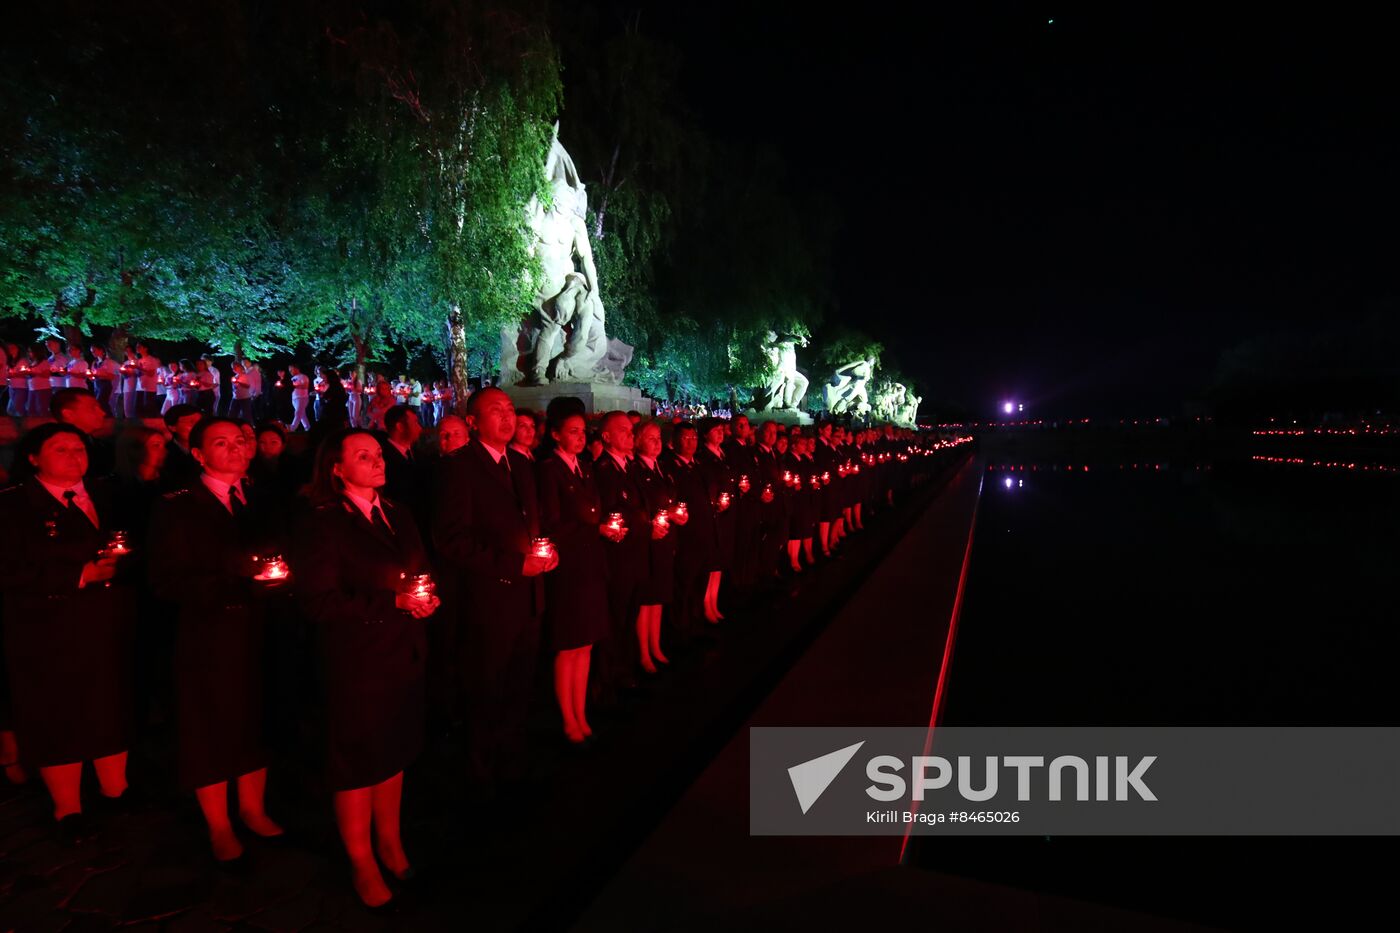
<point x="1081" y="213"/>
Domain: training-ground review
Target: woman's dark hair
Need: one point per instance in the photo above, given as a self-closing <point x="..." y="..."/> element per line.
<point x="325" y="486"/>
<point x="31" y="443"/>
<point x="270" y="427"/>
<point x="131" y="450"/>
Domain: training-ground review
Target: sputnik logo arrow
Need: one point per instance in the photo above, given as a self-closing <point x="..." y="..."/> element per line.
<point x="811" y="778"/>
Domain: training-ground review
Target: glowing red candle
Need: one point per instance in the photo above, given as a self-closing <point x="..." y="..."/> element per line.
<point x="615" y="521"/>
<point x="274" y="568"/>
<point x="542" y="548"/>
<point x="421" y="586"/>
<point x="744" y="483"/>
<point x="118" y="545"/>
<point x="723" y="501"/>
<point x="682" y="511"/>
<point x="662" y="519"/>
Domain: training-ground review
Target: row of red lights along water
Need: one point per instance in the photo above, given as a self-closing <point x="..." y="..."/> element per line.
<point x="1041" y="422"/>
<point x="1080" y="468"/>
<point x="1206" y="467"/>
<point x="1366" y="431"/>
<point x="1329" y="464"/>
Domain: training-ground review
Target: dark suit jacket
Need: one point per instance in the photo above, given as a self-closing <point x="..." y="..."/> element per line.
<point x="618" y="492"/>
<point x="206" y="568"/>
<point x="403" y="479"/>
<point x="481" y="529"/>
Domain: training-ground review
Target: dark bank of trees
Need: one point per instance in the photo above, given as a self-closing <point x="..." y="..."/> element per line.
<point x="353" y="176"/>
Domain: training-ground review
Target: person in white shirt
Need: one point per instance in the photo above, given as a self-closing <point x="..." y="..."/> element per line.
<point x="77" y="368"/>
<point x="148" y="383"/>
<point x="58" y="363"/>
<point x="241" y="406"/>
<point x="301" y="398"/>
<point x="40" y="385"/>
<point x="18" y="381"/>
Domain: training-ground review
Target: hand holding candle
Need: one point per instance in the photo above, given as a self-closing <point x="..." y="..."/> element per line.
<point x="767" y="495"/>
<point x="660" y="525"/>
<point x="722" y="502"/>
<point x="614" y="529"/>
<point x="744" y="484"/>
<point x="542" y="548"/>
<point x="417" y="595"/>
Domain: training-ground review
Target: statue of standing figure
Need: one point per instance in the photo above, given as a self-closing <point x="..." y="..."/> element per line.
<point x="565" y="339"/>
<point x="787" y="387"/>
<point x="847" y="394"/>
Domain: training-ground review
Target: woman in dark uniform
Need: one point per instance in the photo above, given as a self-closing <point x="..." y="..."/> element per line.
<point x="216" y="533"/>
<point x="659" y="496"/>
<point x="576" y="593"/>
<point x="69" y="622"/>
<point x="721" y="482"/>
<point x="359" y="557"/>
<point x="697" y="543"/>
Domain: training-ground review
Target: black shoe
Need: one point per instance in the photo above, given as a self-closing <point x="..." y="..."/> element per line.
<point x="239" y="867"/>
<point x="390" y="908"/>
<point x="75" y="829"/>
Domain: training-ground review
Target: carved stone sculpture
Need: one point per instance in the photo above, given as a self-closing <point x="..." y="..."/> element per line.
<point x="787" y="387"/>
<point x="564" y="339"/>
<point x="846" y="392"/>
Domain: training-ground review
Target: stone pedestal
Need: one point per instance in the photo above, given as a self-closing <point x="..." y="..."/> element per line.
<point x="785" y="416"/>
<point x="597" y="397"/>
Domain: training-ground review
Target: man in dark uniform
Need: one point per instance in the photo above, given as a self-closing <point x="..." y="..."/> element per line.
<point x="403" y="479"/>
<point x="749" y="566"/>
<point x="484" y="517"/>
<point x="180" y="468"/>
<point x="81" y="409"/>
<point x="627" y="559"/>
<point x="773" y="498"/>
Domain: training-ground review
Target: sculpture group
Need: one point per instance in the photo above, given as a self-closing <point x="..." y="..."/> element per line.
<point x="564" y="339"/>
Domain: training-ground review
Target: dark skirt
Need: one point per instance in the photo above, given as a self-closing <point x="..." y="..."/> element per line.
<point x="658" y="589"/>
<point x="575" y="607"/>
<point x="69" y="664"/>
<point x="376" y="703"/>
<point x="219" y="693"/>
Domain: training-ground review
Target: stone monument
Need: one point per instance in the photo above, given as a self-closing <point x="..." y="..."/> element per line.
<point x="781" y="399"/>
<point x="562" y="348"/>
<point x="846" y="392"/>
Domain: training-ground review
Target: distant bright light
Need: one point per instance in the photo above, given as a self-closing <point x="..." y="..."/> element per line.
<point x="1009" y="482"/>
<point x="1020" y="407"/>
<point x="1009" y="407"/>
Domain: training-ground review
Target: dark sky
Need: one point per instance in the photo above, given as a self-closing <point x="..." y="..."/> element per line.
<point x="1084" y="213"/>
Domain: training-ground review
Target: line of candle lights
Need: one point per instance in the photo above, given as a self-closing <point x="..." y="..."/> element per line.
<point x="1328" y="464"/>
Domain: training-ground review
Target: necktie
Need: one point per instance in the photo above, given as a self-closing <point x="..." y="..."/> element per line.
<point x="70" y="500"/>
<point x="379" y="521"/>
<point x="236" y="503"/>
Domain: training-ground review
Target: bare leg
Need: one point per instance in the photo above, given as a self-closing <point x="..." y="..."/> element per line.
<point x="824" y="534"/>
<point x="386" y="798"/>
<point x="213" y="802"/>
<point x="353" y="812"/>
<point x="807" y="550"/>
<point x="64" y="783"/>
<point x="111" y="774"/>
<point x="644" y="638"/>
<point x="565" y="664"/>
<point x="582" y="660"/>
<point x="251" y="811"/>
<point x="656" y="635"/>
<point x="9" y="751"/>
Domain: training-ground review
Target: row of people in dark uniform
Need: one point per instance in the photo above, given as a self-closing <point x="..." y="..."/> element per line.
<point x="421" y="577"/>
